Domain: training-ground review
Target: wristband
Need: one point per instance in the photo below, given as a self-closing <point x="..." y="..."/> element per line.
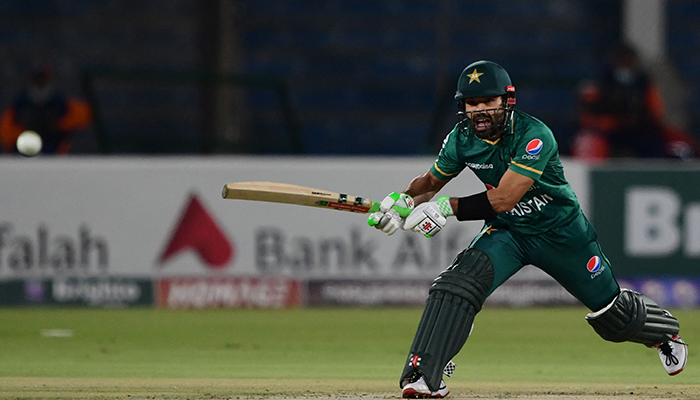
<point x="475" y="207"/>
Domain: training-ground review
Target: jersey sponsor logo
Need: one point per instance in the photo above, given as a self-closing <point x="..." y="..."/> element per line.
<point x="593" y="264"/>
<point x="479" y="166"/>
<point x="534" y="147"/>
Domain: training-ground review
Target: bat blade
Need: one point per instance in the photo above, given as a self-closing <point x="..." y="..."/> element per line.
<point x="286" y="193"/>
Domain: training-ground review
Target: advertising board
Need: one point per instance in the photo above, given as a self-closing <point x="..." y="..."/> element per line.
<point x="648" y="218"/>
<point x="75" y="223"/>
<point x="73" y="291"/>
<point x="160" y="217"/>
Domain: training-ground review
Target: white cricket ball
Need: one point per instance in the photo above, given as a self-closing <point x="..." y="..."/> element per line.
<point x="29" y="143"/>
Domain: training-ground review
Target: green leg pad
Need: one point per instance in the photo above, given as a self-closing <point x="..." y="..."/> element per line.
<point x="453" y="301"/>
<point x="634" y="317"/>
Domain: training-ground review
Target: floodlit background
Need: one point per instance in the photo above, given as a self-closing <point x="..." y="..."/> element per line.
<point x="147" y="108"/>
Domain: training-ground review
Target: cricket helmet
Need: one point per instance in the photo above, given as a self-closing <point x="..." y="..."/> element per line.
<point x="486" y="79"/>
<point x="482" y="79"/>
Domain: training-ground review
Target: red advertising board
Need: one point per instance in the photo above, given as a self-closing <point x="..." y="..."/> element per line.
<point x="228" y="292"/>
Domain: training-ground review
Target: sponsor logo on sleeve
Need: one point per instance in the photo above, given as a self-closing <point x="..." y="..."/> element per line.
<point x="533" y="149"/>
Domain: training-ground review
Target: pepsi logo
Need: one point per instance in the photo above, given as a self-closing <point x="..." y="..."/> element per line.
<point x="534" y="147"/>
<point x="593" y="264"/>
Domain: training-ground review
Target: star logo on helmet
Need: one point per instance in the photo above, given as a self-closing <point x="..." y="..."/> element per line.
<point x="474" y="76"/>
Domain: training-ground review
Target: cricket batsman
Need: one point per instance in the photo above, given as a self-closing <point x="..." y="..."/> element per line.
<point x="531" y="216"/>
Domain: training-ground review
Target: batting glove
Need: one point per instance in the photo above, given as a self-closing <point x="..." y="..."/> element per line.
<point x="429" y="218"/>
<point x="388" y="220"/>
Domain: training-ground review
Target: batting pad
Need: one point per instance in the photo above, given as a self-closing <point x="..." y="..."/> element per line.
<point x="453" y="301"/>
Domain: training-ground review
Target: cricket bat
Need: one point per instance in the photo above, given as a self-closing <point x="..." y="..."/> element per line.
<point x="286" y="193"/>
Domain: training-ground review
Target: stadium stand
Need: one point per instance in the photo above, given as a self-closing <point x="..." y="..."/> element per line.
<point x="365" y="77"/>
<point x="683" y="45"/>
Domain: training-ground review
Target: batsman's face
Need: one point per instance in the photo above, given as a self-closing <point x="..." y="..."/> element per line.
<point x="484" y="114"/>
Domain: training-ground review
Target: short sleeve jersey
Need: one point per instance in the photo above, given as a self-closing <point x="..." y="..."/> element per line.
<point x="528" y="148"/>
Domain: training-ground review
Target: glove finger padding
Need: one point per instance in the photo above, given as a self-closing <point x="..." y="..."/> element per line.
<point x="388" y="220"/>
<point x="375" y="219"/>
<point x="426" y="219"/>
<point x="396" y="199"/>
<point x="389" y="201"/>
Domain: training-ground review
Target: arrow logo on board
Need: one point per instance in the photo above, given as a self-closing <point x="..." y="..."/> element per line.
<point x="197" y="231"/>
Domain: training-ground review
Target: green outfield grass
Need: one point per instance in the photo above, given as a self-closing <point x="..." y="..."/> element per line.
<point x="507" y="347"/>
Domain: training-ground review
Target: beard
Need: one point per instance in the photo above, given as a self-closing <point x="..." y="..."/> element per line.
<point x="488" y="124"/>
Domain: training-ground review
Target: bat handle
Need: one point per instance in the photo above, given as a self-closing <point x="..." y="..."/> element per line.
<point x="403" y="211"/>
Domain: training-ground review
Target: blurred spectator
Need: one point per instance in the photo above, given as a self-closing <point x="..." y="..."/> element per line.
<point x="622" y="115"/>
<point x="42" y="108"/>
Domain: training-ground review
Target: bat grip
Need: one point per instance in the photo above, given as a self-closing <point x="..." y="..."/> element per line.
<point x="403" y="211"/>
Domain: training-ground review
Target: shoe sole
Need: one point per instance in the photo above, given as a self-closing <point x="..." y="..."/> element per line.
<point x="677" y="372"/>
<point x="413" y="394"/>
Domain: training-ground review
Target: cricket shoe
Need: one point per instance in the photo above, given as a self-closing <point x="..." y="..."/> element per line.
<point x="673" y="354"/>
<point x="416" y="388"/>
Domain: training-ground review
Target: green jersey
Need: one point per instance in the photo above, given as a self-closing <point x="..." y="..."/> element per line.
<point x="528" y="148"/>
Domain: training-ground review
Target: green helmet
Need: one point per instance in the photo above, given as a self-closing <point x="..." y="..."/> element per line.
<point x="482" y="79"/>
<point x="485" y="79"/>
